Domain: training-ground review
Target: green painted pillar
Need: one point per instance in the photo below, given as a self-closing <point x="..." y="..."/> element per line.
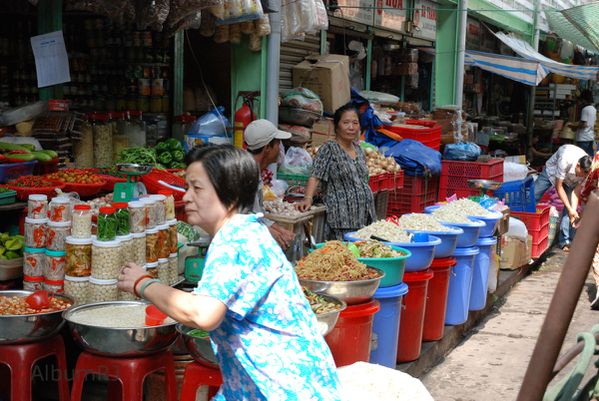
<point x="178" y="72"/>
<point x="446" y="54"/>
<point x="368" y="75"/>
<point x="49" y="19"/>
<point x="248" y="73"/>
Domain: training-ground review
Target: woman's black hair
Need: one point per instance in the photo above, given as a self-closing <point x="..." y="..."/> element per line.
<point x="342" y="110"/>
<point x="585" y="163"/>
<point x="234" y="174"/>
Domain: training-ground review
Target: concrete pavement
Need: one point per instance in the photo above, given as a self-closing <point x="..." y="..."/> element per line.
<point x="491" y="361"/>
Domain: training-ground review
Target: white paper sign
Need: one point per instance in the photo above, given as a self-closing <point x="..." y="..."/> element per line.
<point x="51" y="59"/>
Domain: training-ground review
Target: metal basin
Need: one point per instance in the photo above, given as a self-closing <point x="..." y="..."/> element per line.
<point x="18" y="329"/>
<point x="199" y="348"/>
<point x="119" y="342"/>
<point x="328" y="320"/>
<point x="350" y="292"/>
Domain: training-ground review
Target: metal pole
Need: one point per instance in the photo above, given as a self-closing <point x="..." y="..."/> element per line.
<point x="560" y="312"/>
<point x="461" y="49"/>
<point x="273" y="62"/>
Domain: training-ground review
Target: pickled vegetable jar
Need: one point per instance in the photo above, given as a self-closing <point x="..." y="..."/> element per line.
<point x="34" y="260"/>
<point x="56" y="235"/>
<point x="35" y="232"/>
<point x="60" y="210"/>
<point x="137" y="217"/>
<point x="173" y="268"/>
<point x="79" y="257"/>
<point x="37" y="206"/>
<point x="139" y="249"/>
<point x="173" y="236"/>
<point x="159" y="209"/>
<point x="164" y="247"/>
<point x="150" y="215"/>
<point x="152" y="269"/>
<point x="122" y="217"/>
<point x="102" y="290"/>
<point x="55" y="265"/>
<point x="56" y="286"/>
<point x="106" y="259"/>
<point x="76" y="288"/>
<point x="170" y="204"/>
<point x="81" y="221"/>
<point x="107" y="224"/>
<point x="152" y="245"/>
<point x="33" y="283"/>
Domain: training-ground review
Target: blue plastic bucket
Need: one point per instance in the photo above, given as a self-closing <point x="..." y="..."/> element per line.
<point x="460" y="283"/>
<point x="385" y="330"/>
<point x="471" y="232"/>
<point x="449" y="241"/>
<point x="480" y="273"/>
<point x="490" y="223"/>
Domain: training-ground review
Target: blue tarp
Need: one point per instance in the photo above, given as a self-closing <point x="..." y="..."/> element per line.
<point x="414" y="157"/>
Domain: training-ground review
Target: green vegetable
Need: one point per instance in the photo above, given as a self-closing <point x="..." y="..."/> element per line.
<point x="122" y="216"/>
<point x="12" y="255"/>
<point x="42" y="156"/>
<point x="27" y="157"/>
<point x="161" y="148"/>
<point x="174" y="144"/>
<point x="28" y="146"/>
<point x="178" y="165"/>
<point x="50" y="153"/>
<point x="13" y="244"/>
<point x="198" y="333"/>
<point x="107" y="227"/>
<point x="160" y="166"/>
<point x="178" y="155"/>
<point x="2" y="250"/>
<point x="138" y="155"/>
<point x="4" y="237"/>
<point x="165" y="158"/>
<point x="4" y="146"/>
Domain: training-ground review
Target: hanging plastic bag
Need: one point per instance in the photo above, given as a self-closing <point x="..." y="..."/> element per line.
<point x="461" y="151"/>
<point x="237" y="11"/>
<point x="297" y="161"/>
<point x="213" y="123"/>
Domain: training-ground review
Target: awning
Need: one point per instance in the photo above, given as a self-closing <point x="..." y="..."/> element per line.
<point x="577" y="24"/>
<point x="523" y="49"/>
<point x="515" y="68"/>
<point x="565" y="30"/>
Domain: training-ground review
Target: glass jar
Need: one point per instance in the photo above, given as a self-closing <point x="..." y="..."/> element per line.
<point x="102" y="140"/>
<point x="79" y="257"/>
<point x="173" y="236"/>
<point x="173" y="268"/>
<point x="77" y="288"/>
<point x="163" y="271"/>
<point x="33" y="283"/>
<point x="126" y="248"/>
<point x="102" y="290"/>
<point x="107" y="224"/>
<point x="106" y="259"/>
<point x="55" y="286"/>
<point x="34" y="260"/>
<point x="150" y="215"/>
<point x="123" y="218"/>
<point x="137" y="129"/>
<point x="137" y="217"/>
<point x="35" y="232"/>
<point x="152" y="269"/>
<point x="164" y="247"/>
<point x="120" y="140"/>
<point x="139" y="248"/>
<point x="159" y="208"/>
<point x="152" y="245"/>
<point x="81" y="221"/>
<point x="169" y="203"/>
<point x="56" y="234"/>
<point x="60" y="210"/>
<point x="55" y="265"/>
<point x="83" y="149"/>
<point x="37" y="206"/>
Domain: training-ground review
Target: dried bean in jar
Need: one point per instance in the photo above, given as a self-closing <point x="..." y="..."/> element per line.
<point x="106" y="259"/>
<point x="173" y="268"/>
<point x="173" y="236"/>
<point x="102" y="290"/>
<point x="163" y="272"/>
<point x="137" y="217"/>
<point x="81" y="221"/>
<point x="77" y="288"/>
<point x="34" y="260"/>
<point x="54" y="268"/>
<point x="126" y="248"/>
<point x="35" y="232"/>
<point x="79" y="257"/>
<point x="37" y="206"/>
<point x="152" y="269"/>
<point x="126" y="296"/>
<point x="56" y="234"/>
<point x="139" y="249"/>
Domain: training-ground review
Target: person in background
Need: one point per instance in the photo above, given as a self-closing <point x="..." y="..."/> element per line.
<point x="262" y="328"/>
<point x="263" y="141"/>
<point x="564" y="170"/>
<point x="585" y="128"/>
<point x="340" y="167"/>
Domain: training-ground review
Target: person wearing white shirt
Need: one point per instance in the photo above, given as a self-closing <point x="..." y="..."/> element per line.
<point x="564" y="170"/>
<point x="585" y="134"/>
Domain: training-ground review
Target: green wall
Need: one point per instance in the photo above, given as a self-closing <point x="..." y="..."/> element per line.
<point x="248" y="73"/>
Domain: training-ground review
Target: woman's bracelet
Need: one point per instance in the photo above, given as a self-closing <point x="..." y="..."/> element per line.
<point x="145" y="285"/>
<point x="137" y="282"/>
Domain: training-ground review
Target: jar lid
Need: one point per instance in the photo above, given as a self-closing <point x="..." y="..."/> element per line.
<point x="139" y="235"/>
<point x="147" y="200"/>
<point x="173" y="255"/>
<point x="172" y="222"/>
<point x="158" y="197"/>
<point x="126" y="237"/>
<point x="55" y="254"/>
<point x="165" y="192"/>
<point x="60" y="199"/>
<point x="82" y="206"/>
<point x="38" y="197"/>
<point x="106" y="244"/>
<point x="162" y="260"/>
<point x="162" y="227"/>
<point x="78" y="241"/>
<point x="35" y="221"/>
<point x="120" y="205"/>
<point x="32" y="279"/>
<point x="54" y="282"/>
<point x="59" y="223"/>
<point x="94" y="280"/>
<point x="152" y="230"/>
<point x="73" y="278"/>
<point x="136" y="204"/>
<point x="107" y="210"/>
<point x="151" y="265"/>
<point x="34" y="250"/>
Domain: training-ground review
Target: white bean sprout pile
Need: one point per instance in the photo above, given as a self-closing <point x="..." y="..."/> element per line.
<point x="459" y="210"/>
<point x="386" y="230"/>
<point x="421" y="222"/>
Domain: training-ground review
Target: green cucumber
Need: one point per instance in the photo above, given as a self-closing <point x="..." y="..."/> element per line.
<point x="42" y="156"/>
<point x="5" y="146"/>
<point x="50" y="153"/>
<point x="26" y="157"/>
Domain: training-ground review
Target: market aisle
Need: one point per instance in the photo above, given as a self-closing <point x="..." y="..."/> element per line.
<point x="490" y="363"/>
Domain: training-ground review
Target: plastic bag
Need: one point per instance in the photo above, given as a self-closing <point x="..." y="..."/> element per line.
<point x="514" y="171"/>
<point x="379" y="97"/>
<point x="262" y="26"/>
<point x="304" y="99"/>
<point x="213" y="123"/>
<point x="279" y="187"/>
<point x="461" y="151"/>
<point x="221" y="35"/>
<point x="297" y="161"/>
<point x="237" y="11"/>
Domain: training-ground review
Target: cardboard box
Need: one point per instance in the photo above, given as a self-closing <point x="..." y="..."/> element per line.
<point x="324" y="126"/>
<point x="328" y="76"/>
<point x="515" y="252"/>
<point x="318" y="138"/>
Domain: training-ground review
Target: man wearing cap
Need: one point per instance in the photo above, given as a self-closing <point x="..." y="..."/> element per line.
<point x="263" y="140"/>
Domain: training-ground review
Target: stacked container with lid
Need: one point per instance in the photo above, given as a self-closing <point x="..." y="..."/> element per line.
<point x="78" y="264"/>
<point x="34" y="253"/>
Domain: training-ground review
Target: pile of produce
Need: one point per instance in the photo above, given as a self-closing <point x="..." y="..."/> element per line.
<point x="333" y="262"/>
<point x="166" y="154"/>
<point x="379" y="164"/>
<point x="422" y="222"/>
<point x="282" y="208"/>
<point x="75" y="176"/>
<point x="386" y="230"/>
<point x="11" y="246"/>
<point x="18" y="305"/>
<point x="12" y="153"/>
<point x="459" y="210"/>
<point x="320" y="304"/>
<point x="376" y="249"/>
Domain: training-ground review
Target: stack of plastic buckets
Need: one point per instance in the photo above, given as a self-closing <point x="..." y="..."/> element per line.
<point x="480" y="275"/>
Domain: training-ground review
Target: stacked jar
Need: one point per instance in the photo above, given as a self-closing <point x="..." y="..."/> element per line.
<point x="123" y="217"/>
<point x="34" y="260"/>
<point x="173" y="236"/>
<point x="159" y="209"/>
<point x="34" y="253"/>
<point x="54" y="270"/>
<point x="164" y="239"/>
<point x="78" y="268"/>
<point x="173" y="268"/>
<point x="170" y="204"/>
<point x="106" y="257"/>
<point x="163" y="271"/>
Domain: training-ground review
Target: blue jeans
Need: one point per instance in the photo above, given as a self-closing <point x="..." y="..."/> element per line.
<point x="587" y="146"/>
<point x="566" y="231"/>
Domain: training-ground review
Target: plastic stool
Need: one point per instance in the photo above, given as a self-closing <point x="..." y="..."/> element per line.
<point x="131" y="372"/>
<point x="21" y="358"/>
<point x="197" y="375"/>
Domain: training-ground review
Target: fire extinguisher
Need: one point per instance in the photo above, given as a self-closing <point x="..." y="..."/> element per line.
<point x="243" y="116"/>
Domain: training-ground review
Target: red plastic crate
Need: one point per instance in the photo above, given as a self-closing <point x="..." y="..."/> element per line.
<point x="417" y="193"/>
<point x="540" y="246"/>
<point x="453" y="182"/>
<point x="534" y="221"/>
<point x="374" y="182"/>
<point x="392" y="181"/>
<point x="445" y="192"/>
<point x="493" y="169"/>
<point x="430" y="136"/>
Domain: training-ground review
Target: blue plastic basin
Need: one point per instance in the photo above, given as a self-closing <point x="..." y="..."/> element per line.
<point x="480" y="273"/>
<point x="432" y="208"/>
<point x="449" y="241"/>
<point x="471" y="232"/>
<point x="460" y="285"/>
<point x="490" y="223"/>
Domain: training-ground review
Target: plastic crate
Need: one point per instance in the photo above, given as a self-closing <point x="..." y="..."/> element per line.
<point x="8" y="197"/>
<point x="392" y="181"/>
<point x="417" y="193"/>
<point x="381" y="204"/>
<point x="519" y="195"/>
<point x="294" y="179"/>
<point x="492" y="169"/>
<point x="460" y="183"/>
<point x="445" y="192"/>
<point x="430" y="136"/>
<point x="535" y="221"/>
<point x="540" y="245"/>
<point x="10" y="171"/>
<point x="374" y="182"/>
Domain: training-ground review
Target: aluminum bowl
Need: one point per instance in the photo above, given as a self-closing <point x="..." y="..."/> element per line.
<point x="18" y="329"/>
<point x="350" y="292"/>
<point x="328" y="320"/>
<point x="199" y="348"/>
<point x="119" y="342"/>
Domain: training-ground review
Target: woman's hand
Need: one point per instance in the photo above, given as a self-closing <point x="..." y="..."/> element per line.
<point x="129" y="275"/>
<point x="304" y="205"/>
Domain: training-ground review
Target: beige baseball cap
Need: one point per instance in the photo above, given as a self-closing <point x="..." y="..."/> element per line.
<point x="260" y="133"/>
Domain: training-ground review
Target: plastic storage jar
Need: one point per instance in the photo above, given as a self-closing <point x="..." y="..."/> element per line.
<point x="56" y="235"/>
<point x="152" y="269"/>
<point x="139" y="248"/>
<point x="81" y="221"/>
<point x="173" y="236"/>
<point x="163" y="271"/>
<point x="152" y="245"/>
<point x="102" y="130"/>
<point x="137" y="217"/>
<point x="173" y="268"/>
<point x="122" y="218"/>
<point x="56" y="286"/>
<point x="126" y="296"/>
<point x="77" y="288"/>
<point x="34" y="260"/>
<point x="35" y="232"/>
<point x="106" y="259"/>
<point x="37" y="206"/>
<point x="107" y="224"/>
<point x="126" y="248"/>
<point x="170" y="203"/>
<point x="33" y="283"/>
<point x="60" y="209"/>
<point x="102" y="290"/>
<point x="150" y="215"/>
<point x="159" y="208"/>
<point x="55" y="265"/>
<point x="79" y="257"/>
<point x="164" y="247"/>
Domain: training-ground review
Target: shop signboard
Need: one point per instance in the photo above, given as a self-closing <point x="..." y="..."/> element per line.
<point x="391" y="14"/>
<point x="425" y="19"/>
<point x="473" y="34"/>
<point x="361" y="11"/>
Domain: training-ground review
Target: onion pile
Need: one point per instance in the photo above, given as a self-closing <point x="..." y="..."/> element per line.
<point x="379" y="164"/>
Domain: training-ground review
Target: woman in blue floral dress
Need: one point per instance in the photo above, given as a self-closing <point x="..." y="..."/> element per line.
<point x="262" y="328"/>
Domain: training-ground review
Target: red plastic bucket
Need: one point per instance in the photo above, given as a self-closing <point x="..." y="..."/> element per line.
<point x="436" y="302"/>
<point x="349" y="341"/>
<point x="412" y="317"/>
